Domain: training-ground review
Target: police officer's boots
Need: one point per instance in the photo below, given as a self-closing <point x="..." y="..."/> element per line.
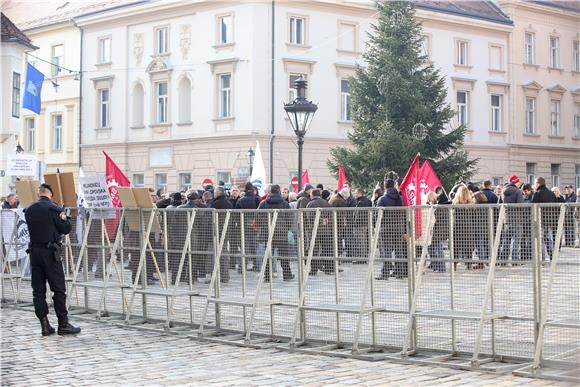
<point x="65" y="328"/>
<point x="46" y="328"/>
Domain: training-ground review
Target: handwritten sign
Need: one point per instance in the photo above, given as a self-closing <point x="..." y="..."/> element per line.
<point x="21" y="165"/>
<point x="96" y="195"/>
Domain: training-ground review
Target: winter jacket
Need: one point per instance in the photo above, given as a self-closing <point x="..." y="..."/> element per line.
<point x="275" y="201"/>
<point x="248" y="202"/>
<point x="303" y="200"/>
<point x="221" y="203"/>
<point x="317" y="203"/>
<point x="363" y="201"/>
<point x="549" y="214"/>
<point x="543" y="195"/>
<point x="512" y="194"/>
<point x="391" y="198"/>
<point x="393" y="221"/>
<point x="490" y="195"/>
<point x="337" y="201"/>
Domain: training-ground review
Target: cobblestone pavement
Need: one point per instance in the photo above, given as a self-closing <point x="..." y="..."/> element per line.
<point x="104" y="354"/>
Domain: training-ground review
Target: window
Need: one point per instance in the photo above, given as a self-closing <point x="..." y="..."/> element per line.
<point x="138" y="106"/>
<point x="15" y="95"/>
<point x="555" y="171"/>
<point x="225" y="29"/>
<point x="225" y="95"/>
<point x="495" y="58"/>
<point x="577" y="175"/>
<point x="292" y="94"/>
<point x="462" y="53"/>
<point x="529" y="48"/>
<point x="425" y="46"/>
<point x="462" y="112"/>
<point x="297" y="30"/>
<point x="344" y="100"/>
<point x="57" y="132"/>
<point x="138" y="180"/>
<point x="577" y="120"/>
<point x="496" y="181"/>
<point x="577" y="55"/>
<point x="184" y="181"/>
<point x="347" y="36"/>
<point x="530" y="115"/>
<point x="30" y="134"/>
<point x="104" y="50"/>
<point x="161" y="40"/>
<point x="224" y="176"/>
<point x="555" y="117"/>
<point x="161" y="102"/>
<point x="531" y="173"/>
<point x="104" y="108"/>
<point x="57" y="59"/>
<point x="554" y="52"/>
<point x="161" y="181"/>
<point x="184" y="91"/>
<point x="496" y="113"/>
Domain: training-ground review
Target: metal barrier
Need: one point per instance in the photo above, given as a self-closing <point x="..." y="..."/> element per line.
<point x="467" y="286"/>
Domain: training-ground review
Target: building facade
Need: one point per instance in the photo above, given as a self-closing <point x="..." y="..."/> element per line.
<point x="189" y="87"/>
<point x="13" y="46"/>
<point x="545" y="83"/>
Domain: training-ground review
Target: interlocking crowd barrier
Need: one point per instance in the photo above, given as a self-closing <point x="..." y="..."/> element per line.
<point x="491" y="287"/>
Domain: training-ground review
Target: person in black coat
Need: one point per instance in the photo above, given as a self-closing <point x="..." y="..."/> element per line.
<point x="275" y="201"/>
<point x="361" y="226"/>
<point x="323" y="241"/>
<point x="569" y="197"/>
<point x="393" y="233"/>
<point x="221" y="202"/>
<point x="488" y="192"/>
<point x="47" y="223"/>
<point x="250" y="201"/>
<point x="549" y="214"/>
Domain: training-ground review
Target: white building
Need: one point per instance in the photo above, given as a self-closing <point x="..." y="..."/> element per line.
<point x="12" y="48"/>
<point x="176" y="92"/>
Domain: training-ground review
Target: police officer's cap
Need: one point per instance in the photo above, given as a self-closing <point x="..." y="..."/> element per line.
<point x="46" y="186"/>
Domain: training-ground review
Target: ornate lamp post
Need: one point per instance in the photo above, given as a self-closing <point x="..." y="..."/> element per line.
<point x="251" y="155"/>
<point x="300" y="113"/>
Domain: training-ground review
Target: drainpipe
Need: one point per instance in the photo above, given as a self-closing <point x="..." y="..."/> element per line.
<point x="80" y="95"/>
<point x="272" y="130"/>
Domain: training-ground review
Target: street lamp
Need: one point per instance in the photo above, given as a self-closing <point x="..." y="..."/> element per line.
<point x="251" y="155"/>
<point x="300" y="113"/>
<point x="19" y="149"/>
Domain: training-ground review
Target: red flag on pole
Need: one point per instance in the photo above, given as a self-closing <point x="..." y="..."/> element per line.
<point x="428" y="180"/>
<point x="115" y="178"/>
<point x="410" y="185"/>
<point x="305" y="178"/>
<point x="342" y="180"/>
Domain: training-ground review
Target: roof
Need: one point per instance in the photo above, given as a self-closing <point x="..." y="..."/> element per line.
<point x="564" y="5"/>
<point x="56" y="12"/>
<point x="11" y="34"/>
<point x="484" y="10"/>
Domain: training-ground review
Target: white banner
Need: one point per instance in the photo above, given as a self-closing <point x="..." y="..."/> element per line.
<point x="21" y="165"/>
<point x="95" y="194"/>
<point x="20" y="240"/>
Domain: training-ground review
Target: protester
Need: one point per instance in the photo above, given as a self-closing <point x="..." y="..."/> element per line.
<point x="569" y="197"/>
<point x="234" y="195"/>
<point x="488" y="192"/>
<point x="558" y="195"/>
<point x="440" y="232"/>
<point x="304" y="196"/>
<point x="11" y="202"/>
<point x="323" y="244"/>
<point x="463" y="234"/>
<point x="549" y="216"/>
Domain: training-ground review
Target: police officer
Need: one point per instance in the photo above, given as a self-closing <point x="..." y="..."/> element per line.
<point x="46" y="224"/>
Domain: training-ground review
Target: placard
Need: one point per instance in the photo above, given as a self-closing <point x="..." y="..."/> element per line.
<point x="132" y="198"/>
<point x="21" y="165"/>
<point x="26" y="190"/>
<point x="96" y="195"/>
<point x="63" y="188"/>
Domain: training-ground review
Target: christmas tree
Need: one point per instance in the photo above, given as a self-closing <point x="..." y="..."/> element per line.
<point x="399" y="107"/>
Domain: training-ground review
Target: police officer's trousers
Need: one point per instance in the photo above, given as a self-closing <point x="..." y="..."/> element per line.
<point x="46" y="267"/>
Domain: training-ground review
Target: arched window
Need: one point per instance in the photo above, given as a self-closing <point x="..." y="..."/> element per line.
<point x="184" y="100"/>
<point x="138" y="106"/>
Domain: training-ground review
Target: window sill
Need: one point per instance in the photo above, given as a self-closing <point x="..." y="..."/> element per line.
<point x="462" y="67"/>
<point x="558" y="69"/>
<point x="103" y="65"/>
<point x="499" y="71"/>
<point x="184" y="123"/>
<point x="302" y="46"/>
<point x="224" y="119"/>
<point x="349" y="52"/>
<point x="341" y="122"/>
<point x="557" y="137"/>
<point x="137" y="127"/>
<point x="531" y="135"/>
<point x="576" y="138"/>
<point x="222" y="46"/>
<point x="103" y="129"/>
<point x="531" y="65"/>
<point x="164" y="54"/>
<point x="503" y="133"/>
<point x="164" y="125"/>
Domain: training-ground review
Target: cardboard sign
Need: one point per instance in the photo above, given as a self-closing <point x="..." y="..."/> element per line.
<point x="26" y="190"/>
<point x="96" y="195"/>
<point x="63" y="188"/>
<point x="21" y="165"/>
<point x="133" y="198"/>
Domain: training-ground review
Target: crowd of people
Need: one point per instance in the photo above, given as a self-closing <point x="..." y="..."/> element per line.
<point x="470" y="236"/>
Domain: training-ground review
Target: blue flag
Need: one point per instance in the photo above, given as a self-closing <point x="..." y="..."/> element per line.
<point x="32" y="89"/>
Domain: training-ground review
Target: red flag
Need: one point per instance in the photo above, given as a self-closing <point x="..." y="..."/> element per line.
<point x="115" y="178"/>
<point x="428" y="180"/>
<point x="305" y="178"/>
<point x="410" y="185"/>
<point x="342" y="180"/>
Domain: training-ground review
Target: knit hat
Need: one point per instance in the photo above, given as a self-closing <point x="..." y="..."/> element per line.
<point x="514" y="179"/>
